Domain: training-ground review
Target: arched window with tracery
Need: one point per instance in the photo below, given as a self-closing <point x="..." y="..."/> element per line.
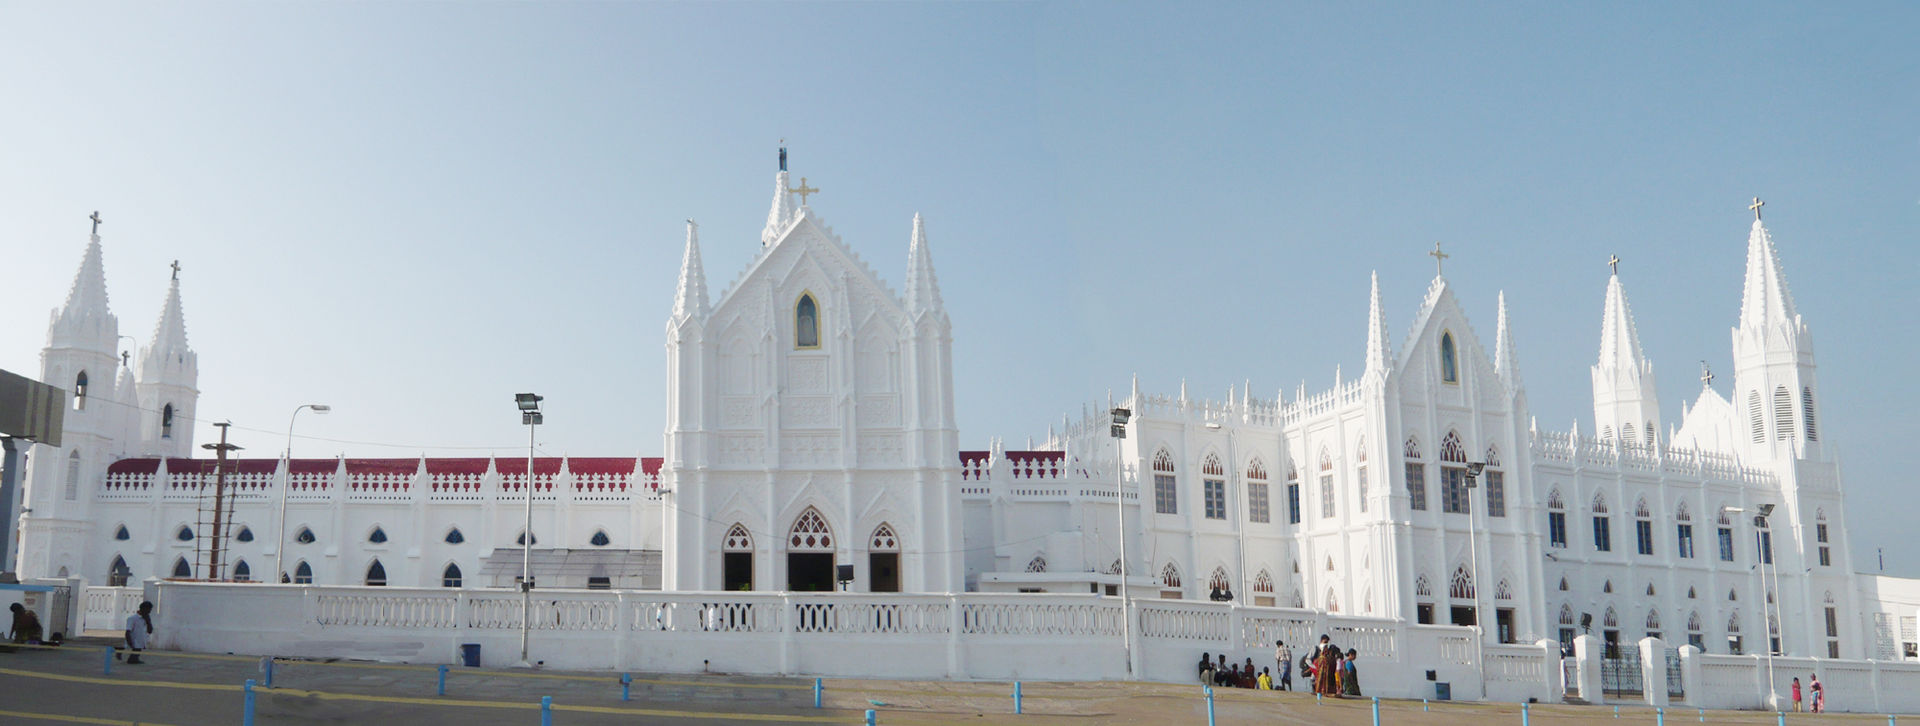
<point x="1259" y="508"/>
<point x="1263" y="582"/>
<point x="1642" y="527"/>
<point x="1213" y="487"/>
<point x="1037" y="564"/>
<point x="1333" y="603"/>
<point x="1696" y="637"/>
<point x="1170" y="577"/>
<point x="1326" y="484"/>
<point x="884" y="540"/>
<point x="806" y="322"/>
<point x="738" y="539"/>
<point x="1166" y="489"/>
<point x="376" y="574"/>
<point x="1360" y="471"/>
<point x="810" y="533"/>
<point x="1416" y="475"/>
<point x="1218" y="580"/>
<point x="1503" y="590"/>
<point x="1453" y="475"/>
<point x="1449" y="360"/>
<point x="1496" y="483"/>
<point x="1602" y="524"/>
<point x="118" y="573"/>
<point x="1461" y="587"/>
<point x="1556" y="519"/>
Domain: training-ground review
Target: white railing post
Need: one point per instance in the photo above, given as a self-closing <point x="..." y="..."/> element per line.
<point x="1653" y="671"/>
<point x="1550" y="679"/>
<point x="956" y="620"/>
<point x="1690" y="683"/>
<point x="788" y="623"/>
<point x="1587" y="650"/>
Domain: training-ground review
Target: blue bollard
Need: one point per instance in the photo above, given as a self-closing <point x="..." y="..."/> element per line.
<point x="1659" y="717"/>
<point x="626" y="689"/>
<point x="1423" y="706"/>
<point x="266" y="665"/>
<point x="442" y="688"/>
<point x="1616" y="712"/>
<point x="546" y="711"/>
<point x="1780" y="718"/>
<point x="1316" y="699"/>
<point x="816" y="693"/>
<point x="869" y="717"/>
<point x="106" y="666"/>
<point x="1376" y="711"/>
<point x="1210" y="707"/>
<point x="1703" y="715"/>
<point x="1526" y="715"/>
<point x="1016" y="697"/>
<point x="246" y="713"/>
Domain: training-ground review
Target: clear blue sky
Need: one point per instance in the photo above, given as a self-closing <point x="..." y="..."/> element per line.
<point x="413" y="211"/>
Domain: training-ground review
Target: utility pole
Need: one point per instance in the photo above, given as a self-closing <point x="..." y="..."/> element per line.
<point x="219" y="499"/>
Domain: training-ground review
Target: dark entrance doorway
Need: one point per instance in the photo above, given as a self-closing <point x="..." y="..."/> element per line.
<point x="884" y="569"/>
<point x="810" y="571"/>
<point x="738" y="570"/>
<point x="1503" y="621"/>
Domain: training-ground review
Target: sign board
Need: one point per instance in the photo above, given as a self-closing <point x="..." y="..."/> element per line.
<point x="31" y="410"/>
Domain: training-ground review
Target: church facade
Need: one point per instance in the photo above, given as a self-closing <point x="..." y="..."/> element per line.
<point x="810" y="426"/>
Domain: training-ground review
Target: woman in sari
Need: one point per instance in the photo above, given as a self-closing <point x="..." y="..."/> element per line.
<point x="1349" y="676"/>
<point x="1326" y="666"/>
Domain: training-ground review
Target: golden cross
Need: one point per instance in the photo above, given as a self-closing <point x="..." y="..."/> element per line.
<point x="1613" y="261"/>
<point x="96" y="221"/>
<point x="1755" y="206"/>
<point x="1438" y="256"/>
<point x="803" y="190"/>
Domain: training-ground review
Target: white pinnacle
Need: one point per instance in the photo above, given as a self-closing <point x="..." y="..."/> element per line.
<point x="690" y="295"/>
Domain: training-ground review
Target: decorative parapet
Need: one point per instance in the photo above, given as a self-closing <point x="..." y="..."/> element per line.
<point x="1612" y="455"/>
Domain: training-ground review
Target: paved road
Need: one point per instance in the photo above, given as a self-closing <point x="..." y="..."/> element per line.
<point x="67" y="685"/>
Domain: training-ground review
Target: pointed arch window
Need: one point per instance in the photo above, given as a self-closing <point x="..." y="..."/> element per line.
<point x="1461" y="587"/>
<point x="1556" y="519"/>
<point x="1695" y="637"/>
<point x="1496" y="483"/>
<point x="806" y="322"/>
<point x="810" y="533"/>
<point x="1326" y="484"/>
<point x="1782" y="414"/>
<point x="884" y="540"/>
<point x="1360" y="471"/>
<point x="737" y="539"/>
<point x="1503" y="590"/>
<point x="1037" y="564"/>
<point x="242" y="572"/>
<point x="118" y="573"/>
<point x="122" y="534"/>
<point x="1602" y="525"/>
<point x="1416" y="475"/>
<point x="1218" y="580"/>
<point x="1449" y="360"/>
<point x="1683" y="531"/>
<point x="303" y="573"/>
<point x="181" y="569"/>
<point x="1806" y="405"/>
<point x="183" y="534"/>
<point x="455" y="537"/>
<point x="377" y="536"/>
<point x="376" y="574"/>
<point x="1259" y="507"/>
<point x="1166" y="489"/>
<point x="245" y="534"/>
<point x="1653" y="623"/>
<point x="1453" y="475"/>
<point x="80" y="391"/>
<point x="1333" y="601"/>
<point x="1566" y="614"/>
<point x="1642" y="528"/>
<point x="73" y="475"/>
<point x="1214" y="487"/>
<point x="1263" y="582"/>
<point x="1820" y="537"/>
<point x="305" y="536"/>
<point x="1563" y="584"/>
<point x="1170" y="577"/>
<point x="521" y="539"/>
<point x="450" y="577"/>
<point x="1725" y="534"/>
<point x="166" y="421"/>
<point x="599" y="538"/>
<point x="1753" y="414"/>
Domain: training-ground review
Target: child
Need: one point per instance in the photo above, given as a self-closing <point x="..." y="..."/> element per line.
<point x="1266" y="680"/>
<point x="1796" y="694"/>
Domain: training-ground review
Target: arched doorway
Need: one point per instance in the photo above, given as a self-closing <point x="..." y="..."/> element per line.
<point x="883" y="560"/>
<point x="736" y="559"/>
<point x="810" y="553"/>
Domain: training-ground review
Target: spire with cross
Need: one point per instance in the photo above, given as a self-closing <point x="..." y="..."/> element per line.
<point x="1706" y="374"/>
<point x="1439" y="258"/>
<point x="1613" y="261"/>
<point x="96" y="222"/>
<point x="1755" y="206"/>
<point x="176" y="269"/>
<point x="803" y="190"/>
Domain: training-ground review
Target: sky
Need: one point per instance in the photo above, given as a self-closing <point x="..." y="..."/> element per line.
<point x="412" y="211"/>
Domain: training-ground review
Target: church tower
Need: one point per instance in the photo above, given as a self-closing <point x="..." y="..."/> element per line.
<point x="80" y="356"/>
<point x="1625" y="402"/>
<point x="169" y="370"/>
<point x="1774" y="386"/>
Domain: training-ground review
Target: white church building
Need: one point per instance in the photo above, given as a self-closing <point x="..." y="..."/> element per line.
<point x="810" y="425"/>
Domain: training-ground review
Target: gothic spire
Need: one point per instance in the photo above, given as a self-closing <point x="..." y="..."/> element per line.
<point x="1378" y="350"/>
<point x="781" y="214"/>
<point x="1619" y="339"/>
<point x="167" y="350"/>
<point x="923" y="288"/>
<point x="1766" y="300"/>
<point x="690" y="296"/>
<point x="88" y="297"/>
<point x="1505" y="360"/>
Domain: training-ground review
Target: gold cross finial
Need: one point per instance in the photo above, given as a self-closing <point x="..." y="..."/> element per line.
<point x="1438" y="257"/>
<point x="1613" y="261"/>
<point x="176" y="269"/>
<point x="1755" y="206"/>
<point x="803" y="190"/>
<point x="96" y="221"/>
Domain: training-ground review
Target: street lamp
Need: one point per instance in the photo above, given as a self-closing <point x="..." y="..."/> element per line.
<point x="286" y="487"/>
<point x="1240" y="523"/>
<point x="1118" y="430"/>
<point x="1473" y="554"/>
<point x="1764" y="552"/>
<point x="530" y="415"/>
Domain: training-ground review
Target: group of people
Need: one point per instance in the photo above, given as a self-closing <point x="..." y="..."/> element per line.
<point x="1819" y="694"/>
<point x="1330" y="671"/>
<point x="26" y="630"/>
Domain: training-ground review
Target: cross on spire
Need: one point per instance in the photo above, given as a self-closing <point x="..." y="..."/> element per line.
<point x="1755" y="206"/>
<point x="176" y="269"/>
<point x="96" y="221"/>
<point x="803" y="190"/>
<point x="1439" y="257"/>
<point x="1613" y="261"/>
<point x="1706" y="374"/>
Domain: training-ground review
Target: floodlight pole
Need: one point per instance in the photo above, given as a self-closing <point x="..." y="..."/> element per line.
<point x="530" y="415"/>
<point x="286" y="490"/>
<point x="1763" y="552"/>
<point x="1473" y="552"/>
<point x="1118" y="430"/>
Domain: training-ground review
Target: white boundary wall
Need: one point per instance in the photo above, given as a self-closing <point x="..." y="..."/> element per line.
<point x="922" y="636"/>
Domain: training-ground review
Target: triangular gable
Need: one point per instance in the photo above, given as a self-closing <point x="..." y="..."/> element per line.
<point x="1424" y="338"/>
<point x="809" y="235"/>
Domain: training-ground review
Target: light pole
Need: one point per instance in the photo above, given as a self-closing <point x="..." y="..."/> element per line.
<point x="1473" y="554"/>
<point x="1762" y="553"/>
<point x="530" y="415"/>
<point x="286" y="487"/>
<point x="1118" y="430"/>
<point x="1240" y="523"/>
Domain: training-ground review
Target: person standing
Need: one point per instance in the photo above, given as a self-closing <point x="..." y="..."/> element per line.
<point x="1796" y="694"/>
<point x="139" y="631"/>
<point x="1350" y="676"/>
<point x="1284" y="658"/>
<point x="1326" y="668"/>
<point x="1819" y="694"/>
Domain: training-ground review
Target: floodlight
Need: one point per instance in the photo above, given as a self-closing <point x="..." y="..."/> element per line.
<point x="527" y="401"/>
